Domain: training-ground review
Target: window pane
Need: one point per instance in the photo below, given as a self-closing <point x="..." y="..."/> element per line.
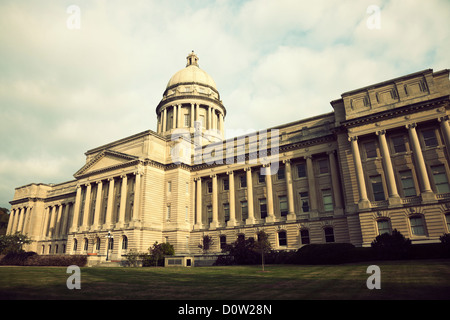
<point x="329" y="234"/>
<point x="263" y="208"/>
<point x="301" y="170"/>
<point x="407" y="183"/>
<point x="304" y="234"/>
<point x="429" y="137"/>
<point x="282" y="238"/>
<point x="280" y="174"/>
<point x="323" y="166"/>
<point x="384" y="226"/>
<point x="371" y="149"/>
<point x="377" y="188"/>
<point x="417" y="226"/>
<point x="440" y="179"/>
<point x="327" y="200"/>
<point x="399" y="144"/>
<point x="283" y="205"/>
<point x="304" y="199"/>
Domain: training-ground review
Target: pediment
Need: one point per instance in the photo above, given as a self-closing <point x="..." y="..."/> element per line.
<point x="105" y="160"/>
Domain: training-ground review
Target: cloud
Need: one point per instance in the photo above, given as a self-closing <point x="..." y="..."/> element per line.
<point x="64" y="91"/>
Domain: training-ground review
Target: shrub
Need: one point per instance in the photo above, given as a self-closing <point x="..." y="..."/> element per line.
<point x="329" y="253"/>
<point x="391" y="246"/>
<point x="17" y="258"/>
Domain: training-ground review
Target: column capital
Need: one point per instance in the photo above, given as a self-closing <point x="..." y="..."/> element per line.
<point x="380" y="132"/>
<point x="213" y="175"/>
<point x="230" y="172"/>
<point x="286" y="161"/>
<point x="248" y="169"/>
<point x="352" y="138"/>
<point x="443" y="118"/>
<point x="411" y="125"/>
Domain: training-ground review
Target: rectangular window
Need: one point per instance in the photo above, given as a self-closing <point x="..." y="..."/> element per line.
<point x="323" y="166"/>
<point x="169" y="186"/>
<point x="244" y="210"/>
<point x="327" y="199"/>
<point x="209" y="213"/>
<point x="429" y="138"/>
<point x="301" y="170"/>
<point x="243" y="179"/>
<point x="377" y="188"/>
<point x="280" y="174"/>
<point x="261" y="177"/>
<point x="226" y="184"/>
<point x="399" y="144"/>
<point x="440" y="178"/>
<point x="226" y="211"/>
<point x="283" y="205"/>
<point x="187" y="121"/>
<point x="407" y="183"/>
<point x="417" y="227"/>
<point x="202" y="120"/>
<point x="304" y="236"/>
<point x="186" y="214"/>
<point x="168" y="213"/>
<point x="263" y="208"/>
<point x="209" y="185"/>
<point x="329" y="234"/>
<point x="371" y="149"/>
<point x="384" y="226"/>
<point x="282" y="238"/>
<point x="304" y="200"/>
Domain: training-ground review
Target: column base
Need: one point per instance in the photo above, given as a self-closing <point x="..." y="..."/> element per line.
<point x="250" y="221"/>
<point x="231" y="223"/>
<point x="364" y="204"/>
<point x="198" y="226"/>
<point x="428" y="197"/>
<point x="291" y="216"/>
<point x="395" y="201"/>
<point x="271" y="219"/>
<point x="214" y="225"/>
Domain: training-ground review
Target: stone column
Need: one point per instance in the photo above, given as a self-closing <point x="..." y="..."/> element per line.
<point x="209" y="118"/>
<point x="58" y="221"/>
<point x="426" y="193"/>
<point x="215" y="206"/>
<point x="445" y="128"/>
<point x="65" y="219"/>
<point x="123" y="199"/>
<point x="137" y="196"/>
<point x="222" y="129"/>
<point x="87" y="205"/>
<point x="199" y="221"/>
<point x="394" y="198"/>
<point x="311" y="186"/>
<point x="164" y="122"/>
<point x="21" y="217"/>
<point x="98" y="205"/>
<point x="232" y="221"/>
<point x="335" y="182"/>
<point x="11" y="221"/>
<point x="192" y="116"/>
<point x="109" y="208"/>
<point x="45" y="223"/>
<point x="290" y="190"/>
<point x="251" y="210"/>
<point x="174" y="116"/>
<point x="270" y="212"/>
<point x="197" y="113"/>
<point x="363" y="200"/>
<point x="76" y="210"/>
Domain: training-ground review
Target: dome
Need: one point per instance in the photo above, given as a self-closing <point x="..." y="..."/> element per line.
<point x="192" y="74"/>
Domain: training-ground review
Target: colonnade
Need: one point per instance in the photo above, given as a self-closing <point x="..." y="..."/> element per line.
<point x="92" y="217"/>
<point x="271" y="215"/>
<point x="214" y="120"/>
<point x="420" y="166"/>
<point x="19" y="220"/>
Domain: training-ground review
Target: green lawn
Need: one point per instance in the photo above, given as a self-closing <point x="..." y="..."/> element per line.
<point x="399" y="280"/>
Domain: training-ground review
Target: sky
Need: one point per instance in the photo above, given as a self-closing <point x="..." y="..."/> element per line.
<point x="78" y="74"/>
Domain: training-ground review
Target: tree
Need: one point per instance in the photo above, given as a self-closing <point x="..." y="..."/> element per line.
<point x="13" y="243"/>
<point x="207" y="243"/>
<point x="4" y="218"/>
<point x="262" y="245"/>
<point x="159" y="250"/>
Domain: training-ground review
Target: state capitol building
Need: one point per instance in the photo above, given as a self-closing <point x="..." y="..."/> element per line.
<point x="377" y="162"/>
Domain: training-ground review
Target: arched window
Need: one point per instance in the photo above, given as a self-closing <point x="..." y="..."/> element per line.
<point x="223" y="241"/>
<point x="124" y="243"/>
<point x="282" y="238"/>
<point x="97" y="244"/>
<point x="86" y="244"/>
<point x="43" y="249"/>
<point x="75" y="244"/>
<point x="111" y="243"/>
<point x="329" y="234"/>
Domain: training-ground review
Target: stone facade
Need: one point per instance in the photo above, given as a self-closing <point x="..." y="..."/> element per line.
<point x="378" y="162"/>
